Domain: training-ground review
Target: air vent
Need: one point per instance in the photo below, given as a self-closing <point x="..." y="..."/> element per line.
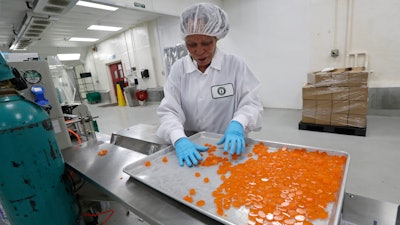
<point x="53" y="7"/>
<point x="33" y="25"/>
<point x="62" y="3"/>
<point x="21" y="44"/>
<point x="31" y="29"/>
<point x="46" y="22"/>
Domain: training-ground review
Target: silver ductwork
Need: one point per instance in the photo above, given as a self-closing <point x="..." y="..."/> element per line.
<point x="37" y="20"/>
<point x="53" y="7"/>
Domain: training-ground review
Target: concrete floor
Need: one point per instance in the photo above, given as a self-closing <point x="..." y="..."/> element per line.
<point x="374" y="158"/>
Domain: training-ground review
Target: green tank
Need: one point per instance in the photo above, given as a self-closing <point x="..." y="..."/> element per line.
<point x="34" y="189"/>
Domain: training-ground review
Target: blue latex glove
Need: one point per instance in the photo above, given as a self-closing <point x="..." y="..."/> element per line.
<point x="187" y="151"/>
<point x="233" y="138"/>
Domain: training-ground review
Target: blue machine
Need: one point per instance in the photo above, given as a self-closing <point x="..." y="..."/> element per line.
<point x="34" y="189"/>
<point x="38" y="92"/>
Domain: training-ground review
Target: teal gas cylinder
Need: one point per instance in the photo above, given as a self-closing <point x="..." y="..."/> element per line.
<point x="33" y="187"/>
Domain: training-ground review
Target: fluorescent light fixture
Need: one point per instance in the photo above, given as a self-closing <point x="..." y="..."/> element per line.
<point x="95" y="5"/>
<point x="83" y="39"/>
<point x="68" y="57"/>
<point x="106" y="28"/>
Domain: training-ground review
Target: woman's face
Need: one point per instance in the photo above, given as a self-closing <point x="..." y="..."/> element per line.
<point x="201" y="49"/>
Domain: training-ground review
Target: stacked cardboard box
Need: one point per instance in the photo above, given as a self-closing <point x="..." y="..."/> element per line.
<point x="338" y="97"/>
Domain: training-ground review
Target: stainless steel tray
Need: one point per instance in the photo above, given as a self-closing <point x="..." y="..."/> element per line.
<point x="176" y="181"/>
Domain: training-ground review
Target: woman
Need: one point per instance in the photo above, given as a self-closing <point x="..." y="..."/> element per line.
<point x="208" y="90"/>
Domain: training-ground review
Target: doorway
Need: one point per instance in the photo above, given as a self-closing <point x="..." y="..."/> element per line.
<point x="117" y="77"/>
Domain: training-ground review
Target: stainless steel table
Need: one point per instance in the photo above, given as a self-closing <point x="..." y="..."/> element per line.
<point x="358" y="210"/>
<point x="105" y="173"/>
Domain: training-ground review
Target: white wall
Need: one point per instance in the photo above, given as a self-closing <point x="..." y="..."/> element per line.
<point x="156" y="52"/>
<point x="170" y="7"/>
<point x="169" y="36"/>
<point x="376" y="30"/>
<point x="282" y="40"/>
<point x="116" y="49"/>
<point x="142" y="52"/>
<point x="273" y="39"/>
<point x="139" y="47"/>
<point x="175" y="7"/>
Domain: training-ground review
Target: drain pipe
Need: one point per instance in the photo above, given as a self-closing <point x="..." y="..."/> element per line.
<point x="335" y="29"/>
<point x="349" y="27"/>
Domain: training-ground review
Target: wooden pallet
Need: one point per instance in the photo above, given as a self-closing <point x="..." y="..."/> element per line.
<point x="357" y="131"/>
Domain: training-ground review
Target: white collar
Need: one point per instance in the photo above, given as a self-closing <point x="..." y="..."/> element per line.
<point x="216" y="62"/>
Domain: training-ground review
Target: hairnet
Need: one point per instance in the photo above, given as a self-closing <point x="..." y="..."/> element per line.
<point x="206" y="19"/>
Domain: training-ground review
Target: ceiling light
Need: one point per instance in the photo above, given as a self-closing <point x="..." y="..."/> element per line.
<point x="68" y="57"/>
<point x="83" y="39"/>
<point x="95" y="5"/>
<point x="106" y="28"/>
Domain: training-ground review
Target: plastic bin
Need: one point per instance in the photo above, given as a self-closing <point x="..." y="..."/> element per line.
<point x="93" y="97"/>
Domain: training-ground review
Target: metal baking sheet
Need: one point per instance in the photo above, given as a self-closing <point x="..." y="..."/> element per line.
<point x="176" y="181"/>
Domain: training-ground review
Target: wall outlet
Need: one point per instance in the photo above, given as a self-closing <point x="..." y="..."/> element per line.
<point x="335" y="52"/>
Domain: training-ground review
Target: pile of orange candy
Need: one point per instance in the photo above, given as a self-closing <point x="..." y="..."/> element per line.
<point x="102" y="152"/>
<point x="282" y="187"/>
<point x="189" y="198"/>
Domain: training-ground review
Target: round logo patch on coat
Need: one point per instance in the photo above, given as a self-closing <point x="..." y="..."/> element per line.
<point x="221" y="91"/>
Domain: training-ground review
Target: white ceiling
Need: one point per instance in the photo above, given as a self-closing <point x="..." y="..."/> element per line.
<point x="74" y="23"/>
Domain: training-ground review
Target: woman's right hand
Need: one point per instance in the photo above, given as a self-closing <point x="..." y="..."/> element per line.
<point x="188" y="152"/>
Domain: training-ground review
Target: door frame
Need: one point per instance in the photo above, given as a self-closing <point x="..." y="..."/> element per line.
<point x="121" y="75"/>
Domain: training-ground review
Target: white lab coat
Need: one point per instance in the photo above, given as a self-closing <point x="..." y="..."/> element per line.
<point x="208" y="101"/>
